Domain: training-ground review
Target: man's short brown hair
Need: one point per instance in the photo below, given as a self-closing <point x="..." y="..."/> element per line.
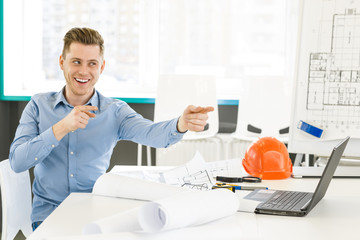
<point x="85" y="36"/>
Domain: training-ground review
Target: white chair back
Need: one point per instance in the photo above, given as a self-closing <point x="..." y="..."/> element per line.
<point x="16" y="201"/>
<point x="264" y="109"/>
<point x="176" y="92"/>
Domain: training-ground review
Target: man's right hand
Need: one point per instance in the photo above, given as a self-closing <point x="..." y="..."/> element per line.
<point x="77" y="118"/>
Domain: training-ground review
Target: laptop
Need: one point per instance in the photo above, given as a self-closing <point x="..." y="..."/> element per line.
<point x="294" y="203"/>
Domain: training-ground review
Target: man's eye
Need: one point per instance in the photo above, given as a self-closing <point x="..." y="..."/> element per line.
<point x="92" y="64"/>
<point x="76" y="62"/>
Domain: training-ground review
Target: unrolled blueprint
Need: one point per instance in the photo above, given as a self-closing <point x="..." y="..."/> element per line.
<point x="328" y="69"/>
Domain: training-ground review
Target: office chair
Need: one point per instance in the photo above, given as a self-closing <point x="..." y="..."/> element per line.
<point x="263" y="110"/>
<point x="174" y="94"/>
<point x="16" y="201"/>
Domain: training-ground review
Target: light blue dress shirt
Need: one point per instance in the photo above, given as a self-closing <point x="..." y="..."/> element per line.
<point x="74" y="163"/>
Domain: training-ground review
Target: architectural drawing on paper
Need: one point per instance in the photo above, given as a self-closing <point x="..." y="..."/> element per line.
<point x="229" y="167"/>
<point x="194" y="174"/>
<point x="333" y="93"/>
<point x="185" y="177"/>
<point x="199" y="180"/>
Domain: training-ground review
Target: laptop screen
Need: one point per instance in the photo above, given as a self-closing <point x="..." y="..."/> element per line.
<point x="328" y="172"/>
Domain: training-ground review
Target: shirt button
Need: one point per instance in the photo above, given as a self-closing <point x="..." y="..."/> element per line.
<point x="71" y="153"/>
<point x="71" y="175"/>
<point x="174" y="134"/>
<point x="52" y="145"/>
<point x="36" y="159"/>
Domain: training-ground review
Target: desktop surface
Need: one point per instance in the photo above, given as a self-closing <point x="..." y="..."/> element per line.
<point x="336" y="216"/>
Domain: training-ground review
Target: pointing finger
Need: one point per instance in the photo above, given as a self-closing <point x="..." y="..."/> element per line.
<point x="207" y="109"/>
<point x="86" y="109"/>
<point x="200" y="109"/>
<point x="92" y="115"/>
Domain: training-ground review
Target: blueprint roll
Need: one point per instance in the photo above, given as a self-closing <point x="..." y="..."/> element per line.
<point x="115" y="185"/>
<point x="119" y="222"/>
<point x="187" y="209"/>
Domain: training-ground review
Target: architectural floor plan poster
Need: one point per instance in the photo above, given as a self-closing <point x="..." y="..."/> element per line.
<point x="327" y="89"/>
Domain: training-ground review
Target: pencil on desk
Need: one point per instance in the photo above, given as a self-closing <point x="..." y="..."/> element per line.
<point x="234" y="187"/>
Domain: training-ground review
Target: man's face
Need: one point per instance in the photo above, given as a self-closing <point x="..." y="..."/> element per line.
<point x="82" y="67"/>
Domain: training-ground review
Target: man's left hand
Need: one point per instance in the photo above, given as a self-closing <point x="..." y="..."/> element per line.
<point x="194" y="118"/>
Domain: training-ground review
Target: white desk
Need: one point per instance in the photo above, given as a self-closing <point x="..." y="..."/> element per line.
<point x="337" y="216"/>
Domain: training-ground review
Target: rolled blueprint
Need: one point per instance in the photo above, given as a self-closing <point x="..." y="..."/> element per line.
<point x="180" y="210"/>
<point x="187" y="209"/>
<point x="114" y="185"/>
<point x="121" y="222"/>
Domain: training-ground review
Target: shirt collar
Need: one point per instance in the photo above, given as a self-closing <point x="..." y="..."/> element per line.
<point x="60" y="98"/>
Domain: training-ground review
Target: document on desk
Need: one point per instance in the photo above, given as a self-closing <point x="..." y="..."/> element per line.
<point x="246" y="204"/>
<point x="151" y="173"/>
<point x="194" y="174"/>
<point x="114" y="185"/>
<point x="227" y="168"/>
<point x="184" y="209"/>
<point x="199" y="174"/>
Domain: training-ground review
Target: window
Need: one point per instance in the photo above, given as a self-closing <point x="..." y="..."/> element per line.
<point x="233" y="40"/>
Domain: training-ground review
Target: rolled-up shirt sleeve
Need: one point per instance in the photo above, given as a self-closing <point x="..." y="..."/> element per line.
<point x="140" y="130"/>
<point x="30" y="146"/>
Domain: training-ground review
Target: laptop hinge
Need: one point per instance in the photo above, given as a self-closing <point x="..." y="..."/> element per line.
<point x="305" y="205"/>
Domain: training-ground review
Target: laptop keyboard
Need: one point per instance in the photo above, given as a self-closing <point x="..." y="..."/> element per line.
<point x="284" y="200"/>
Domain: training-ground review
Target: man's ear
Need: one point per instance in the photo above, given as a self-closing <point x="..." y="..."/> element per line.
<point x="102" y="66"/>
<point x="61" y="62"/>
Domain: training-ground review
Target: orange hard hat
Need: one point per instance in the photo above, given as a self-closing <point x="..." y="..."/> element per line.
<point x="267" y="158"/>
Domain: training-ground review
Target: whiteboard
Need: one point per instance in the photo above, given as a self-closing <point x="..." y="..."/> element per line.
<point x="326" y="91"/>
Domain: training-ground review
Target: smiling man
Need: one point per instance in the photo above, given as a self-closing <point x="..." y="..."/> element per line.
<point x="69" y="135"/>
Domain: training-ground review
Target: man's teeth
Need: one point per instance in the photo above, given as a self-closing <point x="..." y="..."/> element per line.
<point x="82" y="80"/>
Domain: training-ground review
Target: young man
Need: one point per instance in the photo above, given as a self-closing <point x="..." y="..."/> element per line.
<point x="69" y="135"/>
